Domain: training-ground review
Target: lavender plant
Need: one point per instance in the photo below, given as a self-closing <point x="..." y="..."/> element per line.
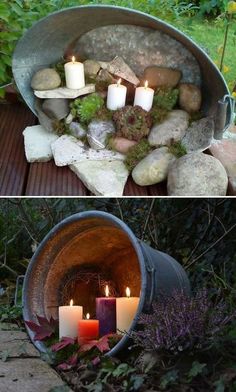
<point x="179" y="322"/>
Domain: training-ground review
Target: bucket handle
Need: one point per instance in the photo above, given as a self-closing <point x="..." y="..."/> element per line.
<point x="231" y="101"/>
<point x="152" y="271"/>
<point x="18" y="279"/>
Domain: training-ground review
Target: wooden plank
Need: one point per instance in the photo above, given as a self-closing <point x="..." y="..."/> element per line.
<point x="158" y="189"/>
<point x="46" y="179"/>
<point x="132" y="189"/>
<point x="13" y="165"/>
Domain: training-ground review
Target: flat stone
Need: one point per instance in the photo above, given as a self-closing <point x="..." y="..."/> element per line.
<point x="28" y="375"/>
<point x="197" y="174"/>
<point x="153" y="168"/>
<point x="45" y="79"/>
<point x="160" y="76"/>
<point x="56" y="108"/>
<point x="16" y="344"/>
<point x="97" y="133"/>
<point x="172" y="129"/>
<point x="119" y="68"/>
<point x="199" y="135"/>
<point x="68" y="150"/>
<point x="140" y="47"/>
<point x="37" y="143"/>
<point x="102" y="178"/>
<point x="190" y="97"/>
<point x="64" y="92"/>
<point x="91" y="68"/>
<point x="225" y="151"/>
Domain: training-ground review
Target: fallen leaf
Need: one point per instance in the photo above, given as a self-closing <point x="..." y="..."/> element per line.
<point x="102" y="344"/>
<point x="70" y="363"/>
<point x="45" y="328"/>
<point x="62" y="344"/>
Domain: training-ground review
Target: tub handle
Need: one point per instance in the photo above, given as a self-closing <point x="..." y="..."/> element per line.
<point x="230" y="99"/>
<point x="152" y="272"/>
<point x="18" y="279"/>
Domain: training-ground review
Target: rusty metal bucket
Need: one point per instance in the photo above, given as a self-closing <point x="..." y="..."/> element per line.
<point x="86" y="250"/>
<point x="48" y="40"/>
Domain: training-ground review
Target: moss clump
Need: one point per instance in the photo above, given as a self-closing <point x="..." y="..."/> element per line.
<point x="59" y="67"/>
<point x="104" y="114"/>
<point x="132" y="122"/>
<point x="137" y="153"/>
<point x="158" y="114"/>
<point x="60" y="127"/>
<point x="166" y="98"/>
<point x="177" y="149"/>
<point x="85" y="109"/>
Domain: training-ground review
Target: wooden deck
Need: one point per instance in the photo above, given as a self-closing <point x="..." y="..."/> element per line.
<point x="19" y="178"/>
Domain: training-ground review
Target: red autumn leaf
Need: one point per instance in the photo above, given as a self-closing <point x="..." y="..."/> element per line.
<point x="45" y="328"/>
<point x="62" y="344"/>
<point x="102" y="344"/>
<point x="96" y="361"/>
<point x="70" y="363"/>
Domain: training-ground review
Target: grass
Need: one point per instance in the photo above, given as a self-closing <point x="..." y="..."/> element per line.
<point x="210" y="36"/>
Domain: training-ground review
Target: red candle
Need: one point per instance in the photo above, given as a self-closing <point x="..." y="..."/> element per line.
<point x="87" y="330"/>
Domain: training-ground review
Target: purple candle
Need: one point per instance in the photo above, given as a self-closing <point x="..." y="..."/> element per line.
<point x="106" y="314"/>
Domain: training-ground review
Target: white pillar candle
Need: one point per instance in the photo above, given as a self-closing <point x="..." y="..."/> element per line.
<point x="116" y="96"/>
<point x="74" y="73"/>
<point x="69" y="317"/>
<point x="144" y="97"/>
<point x="126" y="308"/>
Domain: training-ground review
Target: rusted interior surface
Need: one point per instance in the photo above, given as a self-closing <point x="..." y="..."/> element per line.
<point x="76" y="263"/>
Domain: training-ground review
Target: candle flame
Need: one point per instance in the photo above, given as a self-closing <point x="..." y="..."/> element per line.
<point x="128" y="292"/>
<point x="73" y="59"/>
<point x="107" y="291"/>
<point x="146" y="84"/>
<point x="119" y="82"/>
<point x="87" y="316"/>
<point x="71" y="302"/>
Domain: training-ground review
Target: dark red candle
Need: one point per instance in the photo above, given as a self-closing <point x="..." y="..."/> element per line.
<point x="106" y="314"/>
<point x="87" y="330"/>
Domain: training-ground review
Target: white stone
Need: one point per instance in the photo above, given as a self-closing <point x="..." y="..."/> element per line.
<point x="153" y="168"/>
<point x="64" y="92"/>
<point x="68" y="150"/>
<point x="37" y="141"/>
<point x="172" y="129"/>
<point x="102" y="178"/>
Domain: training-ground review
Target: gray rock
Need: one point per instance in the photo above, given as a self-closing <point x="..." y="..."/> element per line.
<point x="56" y="108"/>
<point x="97" y="133"/>
<point x="171" y="130"/>
<point x="190" y="97"/>
<point x="121" y="144"/>
<point x="140" y="47"/>
<point x="91" y="68"/>
<point x="153" y="168"/>
<point x="69" y="119"/>
<point x="77" y="130"/>
<point x="197" y="174"/>
<point x="199" y="135"/>
<point x="44" y="120"/>
<point x="45" y="79"/>
<point x="161" y="76"/>
<point x="118" y="67"/>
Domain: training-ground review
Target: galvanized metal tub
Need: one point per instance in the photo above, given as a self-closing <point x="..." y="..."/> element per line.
<point x="100" y="243"/>
<point x="49" y="39"/>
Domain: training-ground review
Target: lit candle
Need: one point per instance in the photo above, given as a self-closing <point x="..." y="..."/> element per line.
<point x="144" y="97"/>
<point x="87" y="330"/>
<point x="106" y="313"/>
<point x="74" y="73"/>
<point x="68" y="320"/>
<point x="116" y="96"/>
<point x="126" y="308"/>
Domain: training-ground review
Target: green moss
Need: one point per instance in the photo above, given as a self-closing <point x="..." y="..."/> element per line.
<point x="158" y="114"/>
<point x="85" y="109"/>
<point x="104" y="114"/>
<point x="166" y="98"/>
<point x="60" y="127"/>
<point x="177" y="149"/>
<point x="59" y="67"/>
<point x="137" y="153"/>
